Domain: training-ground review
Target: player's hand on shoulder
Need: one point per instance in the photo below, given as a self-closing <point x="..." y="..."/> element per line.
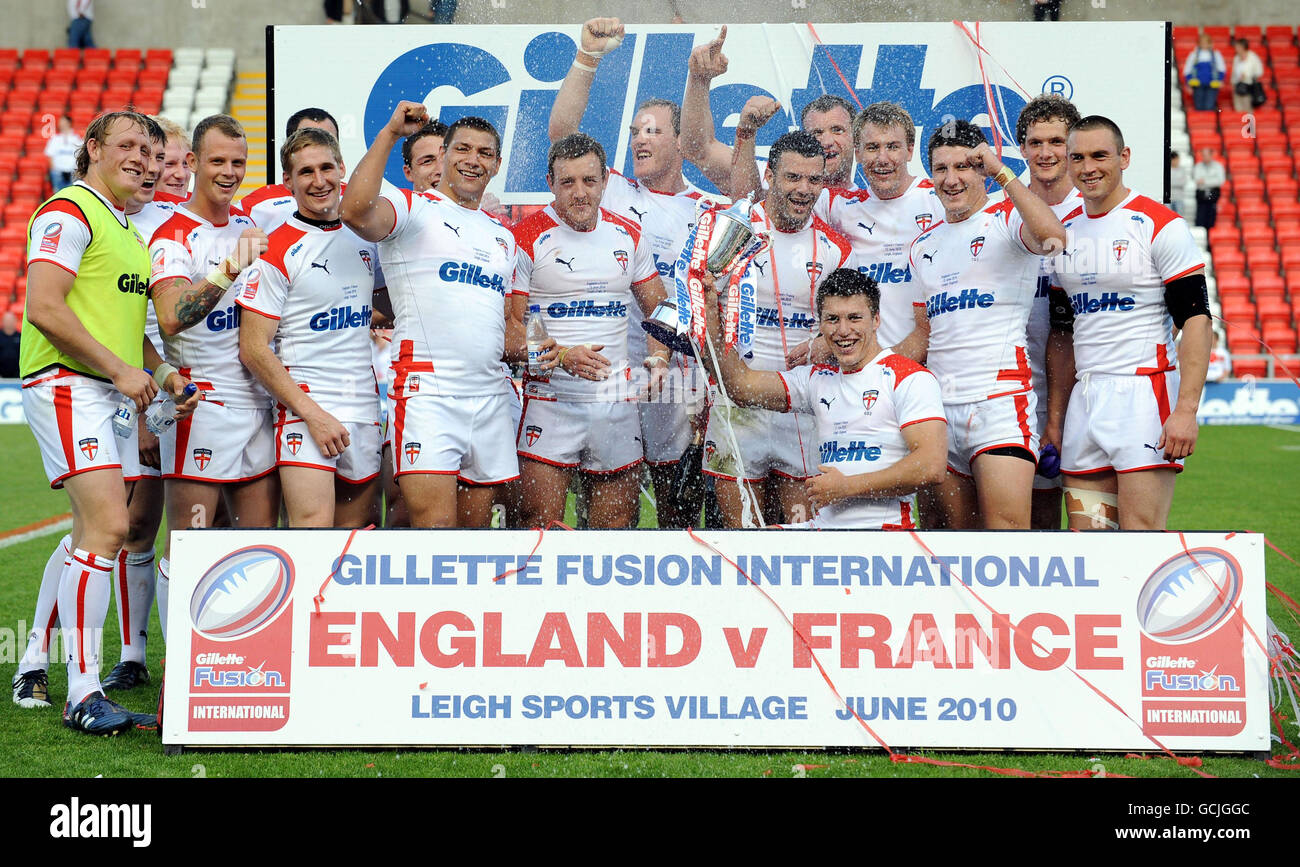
<point x="252" y="243"/>
<point x="814" y="351"/>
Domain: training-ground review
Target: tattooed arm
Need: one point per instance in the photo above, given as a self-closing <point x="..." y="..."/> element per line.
<point x="182" y="304"/>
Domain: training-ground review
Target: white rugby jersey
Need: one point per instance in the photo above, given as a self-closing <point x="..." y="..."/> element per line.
<point x="860" y="420"/>
<point x="881" y="231"/>
<point x="448" y="270"/>
<point x="786" y="276"/>
<point x="1039" y="315"/>
<point x="148" y="220"/>
<point x="977" y="279"/>
<point x="318" y="282"/>
<point x="1114" y="268"/>
<point x="583" y="283"/>
<point x="188" y="246"/>
<point x="269" y="206"/>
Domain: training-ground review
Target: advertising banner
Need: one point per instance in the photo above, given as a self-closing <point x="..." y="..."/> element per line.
<point x="11" y="402"/>
<point x="510" y="75"/>
<point x="725" y="639"/>
<point x="1250" y="401"/>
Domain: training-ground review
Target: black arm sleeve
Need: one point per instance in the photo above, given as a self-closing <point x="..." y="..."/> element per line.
<point x="1061" y="312"/>
<point x="1187" y="297"/>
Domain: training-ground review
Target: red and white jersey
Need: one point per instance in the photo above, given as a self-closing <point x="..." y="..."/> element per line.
<point x="1114" y="268"/>
<point x="882" y="231"/>
<point x="190" y="247"/>
<point x="269" y="206"/>
<point x="448" y="270"/>
<point x="860" y="420"/>
<point x="977" y="280"/>
<point x="582" y="281"/>
<point x="1039" y="315"/>
<point x="665" y="220"/>
<point x="318" y="282"/>
<point x="786" y="276"/>
<point x="148" y="220"/>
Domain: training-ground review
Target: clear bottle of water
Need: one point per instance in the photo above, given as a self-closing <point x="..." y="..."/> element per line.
<point x="535" y="335"/>
<point x="124" y="417"/>
<point x="162" y="415"/>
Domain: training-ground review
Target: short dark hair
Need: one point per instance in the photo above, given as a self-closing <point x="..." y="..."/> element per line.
<point x="101" y="126"/>
<point x="433" y="127"/>
<point x="884" y="115"/>
<point x="847" y="283"/>
<point x="571" y="147"/>
<point x="1096" y="121"/>
<point x="954" y="133"/>
<point x="222" y="123"/>
<point x="805" y="144"/>
<point x="319" y="115"/>
<point x="305" y="138"/>
<point x="1044" y="107"/>
<point x="471" y="122"/>
<point x="674" y="111"/>
<point x="825" y="103"/>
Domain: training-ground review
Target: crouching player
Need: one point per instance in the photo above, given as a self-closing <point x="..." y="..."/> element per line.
<point x="311" y="293"/>
<point x="881" y="430"/>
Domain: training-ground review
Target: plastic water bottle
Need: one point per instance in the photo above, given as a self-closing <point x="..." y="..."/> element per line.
<point x="124" y="417"/>
<point x="535" y="335"/>
<point x="162" y="415"/>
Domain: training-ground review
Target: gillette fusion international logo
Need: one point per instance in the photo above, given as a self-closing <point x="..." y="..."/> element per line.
<point x="1189" y="595"/>
<point x="242" y="592"/>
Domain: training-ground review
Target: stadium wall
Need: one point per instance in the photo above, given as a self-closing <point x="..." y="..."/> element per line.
<point x="240" y="23"/>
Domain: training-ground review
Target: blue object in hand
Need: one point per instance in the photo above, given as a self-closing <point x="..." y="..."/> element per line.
<point x="1049" y="462"/>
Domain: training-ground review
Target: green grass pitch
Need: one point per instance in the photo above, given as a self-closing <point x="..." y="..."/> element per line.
<point x="1242" y="478"/>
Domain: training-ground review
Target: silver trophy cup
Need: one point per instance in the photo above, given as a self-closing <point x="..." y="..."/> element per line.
<point x="731" y="232"/>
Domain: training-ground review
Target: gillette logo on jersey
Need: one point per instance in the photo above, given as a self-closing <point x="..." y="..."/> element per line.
<point x="339" y="318"/>
<point x="464" y="272"/>
<point x="1107" y="302"/>
<point x="586" y="307"/>
<point x="769" y="317"/>
<point x="885" y="272"/>
<point x="833" y="453"/>
<point x="1193" y="667"/>
<point x="967" y="299"/>
<point x="224" y="320"/>
<point x="241" y="616"/>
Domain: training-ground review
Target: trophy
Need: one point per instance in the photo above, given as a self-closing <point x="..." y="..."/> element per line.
<point x="715" y="242"/>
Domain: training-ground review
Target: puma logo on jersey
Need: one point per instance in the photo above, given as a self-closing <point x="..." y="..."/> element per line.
<point x="928" y="256"/>
<point x="568" y="264"/>
<point x="870" y="229"/>
<point x="324" y="267"/>
<point x="453" y="228"/>
<point x="827" y="403"/>
<point x="760" y="266"/>
<point x="640" y="215"/>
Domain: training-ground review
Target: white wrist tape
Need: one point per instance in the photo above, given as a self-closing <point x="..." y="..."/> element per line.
<point x="161" y="372"/>
<point x="610" y="43"/>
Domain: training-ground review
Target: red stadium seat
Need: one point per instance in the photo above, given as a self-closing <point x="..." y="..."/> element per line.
<point x="1273" y="311"/>
<point x="1237" y="309"/>
<point x="1286" y="210"/>
<point x="1257" y="368"/>
<point x="1267" y="286"/>
<point x="96" y="56"/>
<point x="128" y="58"/>
<point x="1280" y="337"/>
<point x="36" y="58"/>
<point x="1277" y="34"/>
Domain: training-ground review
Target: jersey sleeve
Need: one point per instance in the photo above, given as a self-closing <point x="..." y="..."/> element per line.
<point x="523" y="272"/>
<point x="798" y="388"/>
<point x="643" y="262"/>
<point x="917" y="398"/>
<point x="822" y="208"/>
<point x="402" y="203"/>
<point x="59" y="235"/>
<point x="1174" y="253"/>
<point x="262" y="288"/>
<point x="169" y="258"/>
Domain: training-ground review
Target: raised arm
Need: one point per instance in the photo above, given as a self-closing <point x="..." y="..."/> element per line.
<point x="700" y="142"/>
<point x="363" y="209"/>
<point x="599" y="37"/>
<point x="1042" y="232"/>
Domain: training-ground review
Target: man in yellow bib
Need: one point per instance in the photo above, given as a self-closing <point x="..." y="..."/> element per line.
<point x="83" y="350"/>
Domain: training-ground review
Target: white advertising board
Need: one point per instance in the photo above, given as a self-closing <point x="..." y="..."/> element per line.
<point x="1127" y="641"/>
<point x="510" y="75"/>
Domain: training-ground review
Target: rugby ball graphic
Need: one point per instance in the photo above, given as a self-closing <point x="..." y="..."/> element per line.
<point x="242" y="592"/>
<point x="1189" y="595"/>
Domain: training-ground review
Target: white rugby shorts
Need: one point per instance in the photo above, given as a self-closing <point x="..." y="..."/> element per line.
<point x="784" y="443"/>
<point x="468" y="437"/>
<point x="219" y="444"/>
<point x="71" y="416"/>
<point x="359" y="462"/>
<point x="595" y="437"/>
<point x="1114" y="422"/>
<point x="1007" y="421"/>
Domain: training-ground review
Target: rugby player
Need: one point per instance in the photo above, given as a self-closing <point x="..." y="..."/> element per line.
<point x="422" y="156"/>
<point x="226" y="449"/>
<point x="1041" y="132"/>
<point x="83" y="349"/>
<point x="1129" y="275"/>
<point x="448" y="266"/>
<point x="311" y="294"/>
<point x="270" y="205"/>
<point x="661" y="202"/>
<point x="584" y="267"/>
<point x="975" y="271"/>
<point x="881" y="433"/>
<point x="772" y="453"/>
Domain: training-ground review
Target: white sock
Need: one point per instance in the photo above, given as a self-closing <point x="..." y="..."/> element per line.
<point x="37" y="655"/>
<point x="164" y="569"/>
<point x="133" y="585"/>
<point x="83" y="603"/>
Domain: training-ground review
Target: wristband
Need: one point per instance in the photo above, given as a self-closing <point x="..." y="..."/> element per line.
<point x="611" y="42"/>
<point x="578" y="64"/>
<point x="219" y="278"/>
<point x="1004" y="177"/>
<point x="560" y="361"/>
<point x="654" y="360"/>
<point x="163" y="371"/>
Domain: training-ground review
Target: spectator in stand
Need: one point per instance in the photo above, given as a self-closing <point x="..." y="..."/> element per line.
<point x="81" y="14"/>
<point x="1247" y="78"/>
<point x="61" y="150"/>
<point x="1208" y="175"/>
<point x="1220" y="361"/>
<point x="1177" y="182"/>
<point x="1204" y="71"/>
<point x="1047" y="10"/>
<point x="9" y="346"/>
